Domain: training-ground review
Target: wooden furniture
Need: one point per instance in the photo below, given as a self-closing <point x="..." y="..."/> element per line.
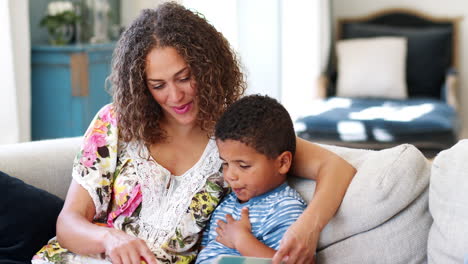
<point x="68" y="88"/>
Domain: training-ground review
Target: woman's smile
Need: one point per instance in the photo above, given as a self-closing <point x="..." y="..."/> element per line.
<point x="183" y="108"/>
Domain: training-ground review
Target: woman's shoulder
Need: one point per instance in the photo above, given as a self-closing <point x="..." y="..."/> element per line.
<point x="103" y="130"/>
<point x="104" y="122"/>
<point x="107" y="114"/>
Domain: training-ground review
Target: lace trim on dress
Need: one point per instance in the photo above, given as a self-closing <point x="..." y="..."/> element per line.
<point x="164" y="202"/>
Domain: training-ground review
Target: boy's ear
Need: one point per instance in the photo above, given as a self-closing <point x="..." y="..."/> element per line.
<point x="284" y="162"/>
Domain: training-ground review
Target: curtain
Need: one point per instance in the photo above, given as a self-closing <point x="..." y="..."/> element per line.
<point x="306" y="38"/>
<point x="284" y="48"/>
<point x="15" y="50"/>
<point x="254" y="35"/>
<point x="326" y="34"/>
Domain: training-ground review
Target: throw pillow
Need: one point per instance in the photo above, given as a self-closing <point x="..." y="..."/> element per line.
<point x="428" y="56"/>
<point x="372" y="67"/>
<point x="27" y="219"/>
<point x="448" y="196"/>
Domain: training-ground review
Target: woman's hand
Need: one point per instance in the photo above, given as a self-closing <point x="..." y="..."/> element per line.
<point x="123" y="248"/>
<point x="232" y="232"/>
<point x="298" y="244"/>
<point x="333" y="176"/>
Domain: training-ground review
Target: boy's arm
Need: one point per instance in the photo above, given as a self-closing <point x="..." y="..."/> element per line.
<point x="250" y="246"/>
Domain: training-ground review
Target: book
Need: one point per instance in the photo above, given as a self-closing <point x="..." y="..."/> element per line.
<point x="226" y="259"/>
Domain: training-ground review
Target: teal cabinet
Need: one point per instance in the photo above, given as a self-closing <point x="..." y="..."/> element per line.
<point x="67" y="88"/>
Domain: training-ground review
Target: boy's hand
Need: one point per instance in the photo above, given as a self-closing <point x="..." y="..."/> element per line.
<point x="232" y="232"/>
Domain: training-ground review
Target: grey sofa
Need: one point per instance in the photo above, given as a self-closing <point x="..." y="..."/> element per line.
<point x="399" y="208"/>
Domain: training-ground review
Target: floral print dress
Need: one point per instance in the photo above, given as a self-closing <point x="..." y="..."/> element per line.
<point x="135" y="194"/>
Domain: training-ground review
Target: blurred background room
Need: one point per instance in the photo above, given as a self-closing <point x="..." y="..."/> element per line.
<point x="56" y="55"/>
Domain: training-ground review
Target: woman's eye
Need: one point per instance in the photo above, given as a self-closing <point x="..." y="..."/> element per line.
<point x="185" y="79"/>
<point x="157" y="87"/>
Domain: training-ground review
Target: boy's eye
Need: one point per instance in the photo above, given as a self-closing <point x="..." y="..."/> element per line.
<point x="224" y="164"/>
<point x="244" y="166"/>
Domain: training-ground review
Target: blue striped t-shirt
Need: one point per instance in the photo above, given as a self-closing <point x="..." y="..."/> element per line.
<point x="270" y="215"/>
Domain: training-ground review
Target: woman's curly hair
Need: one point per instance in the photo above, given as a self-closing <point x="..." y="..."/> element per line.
<point x="213" y="64"/>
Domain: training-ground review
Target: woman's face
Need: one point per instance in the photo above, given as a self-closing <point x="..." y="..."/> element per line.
<point x="172" y="85"/>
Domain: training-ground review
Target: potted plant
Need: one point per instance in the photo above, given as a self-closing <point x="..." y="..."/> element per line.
<point x="60" y="22"/>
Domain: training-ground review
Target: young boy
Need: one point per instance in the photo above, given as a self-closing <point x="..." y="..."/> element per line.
<point x="256" y="141"/>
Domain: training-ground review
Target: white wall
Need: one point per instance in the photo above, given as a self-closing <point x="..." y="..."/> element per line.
<point x="281" y="43"/>
<point x="274" y="48"/>
<point x="130" y="9"/>
<point x="305" y="41"/>
<point x="15" y="102"/>
<point x="21" y="40"/>
<point x="259" y="45"/>
<point x="448" y="8"/>
<point x="223" y="15"/>
<point x="252" y="29"/>
<point x="8" y="109"/>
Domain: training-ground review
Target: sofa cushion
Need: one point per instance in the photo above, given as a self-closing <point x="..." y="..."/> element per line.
<point x="377" y="206"/>
<point x="448" y="204"/>
<point x="27" y="219"/>
<point x="428" y="55"/>
<point x="372" y="67"/>
<point x="401" y="239"/>
<point x="45" y="164"/>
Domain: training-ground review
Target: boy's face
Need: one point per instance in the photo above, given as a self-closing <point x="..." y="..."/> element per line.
<point x="248" y="172"/>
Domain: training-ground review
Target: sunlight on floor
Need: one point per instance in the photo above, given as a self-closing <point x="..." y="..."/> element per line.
<point x="392" y="113"/>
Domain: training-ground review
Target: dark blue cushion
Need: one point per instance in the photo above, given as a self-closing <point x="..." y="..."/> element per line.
<point x="27" y="219"/>
<point x="429" y="53"/>
<point x="379" y="120"/>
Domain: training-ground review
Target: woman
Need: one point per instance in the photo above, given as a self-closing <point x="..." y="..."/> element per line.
<point x="148" y="175"/>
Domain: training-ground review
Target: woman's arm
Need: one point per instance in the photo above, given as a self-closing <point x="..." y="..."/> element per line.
<point x="75" y="230"/>
<point x="77" y="233"/>
<point x="333" y="176"/>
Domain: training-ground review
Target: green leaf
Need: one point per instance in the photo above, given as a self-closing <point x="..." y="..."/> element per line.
<point x="213" y="186"/>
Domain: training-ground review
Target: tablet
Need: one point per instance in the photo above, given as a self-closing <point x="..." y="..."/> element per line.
<point x="225" y="259"/>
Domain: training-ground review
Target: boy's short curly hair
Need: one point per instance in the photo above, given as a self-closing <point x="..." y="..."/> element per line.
<point x="213" y="65"/>
<point x="260" y="122"/>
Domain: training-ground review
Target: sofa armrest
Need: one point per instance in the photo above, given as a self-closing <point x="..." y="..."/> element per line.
<point x="385" y="206"/>
<point x="322" y="85"/>
<point x="45" y="164"/>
